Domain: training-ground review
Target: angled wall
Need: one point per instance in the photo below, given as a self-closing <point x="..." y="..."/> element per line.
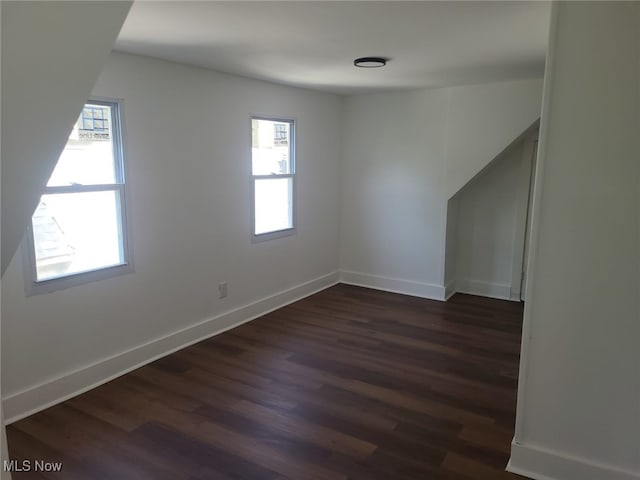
<point x="482" y="121"/>
<point x="52" y="54"/>
<point x="578" y="413"/>
<point x="403" y="155"/>
<point x="486" y="222"/>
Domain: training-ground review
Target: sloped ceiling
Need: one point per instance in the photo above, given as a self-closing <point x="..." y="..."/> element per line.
<point x="52" y="54"/>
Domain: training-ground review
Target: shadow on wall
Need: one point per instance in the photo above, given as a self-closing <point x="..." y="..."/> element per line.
<point x="487" y="225"/>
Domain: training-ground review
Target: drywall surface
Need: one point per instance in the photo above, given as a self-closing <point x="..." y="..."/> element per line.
<point x="4" y="451"/>
<point x="486" y="222"/>
<point x="579" y="396"/>
<point x="393" y="165"/>
<point x="451" y="244"/>
<point x="482" y="121"/>
<point x="187" y="139"/>
<point x="400" y="152"/>
<point x="47" y="74"/>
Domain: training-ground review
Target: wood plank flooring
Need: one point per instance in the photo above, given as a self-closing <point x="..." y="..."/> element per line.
<point x="349" y="383"/>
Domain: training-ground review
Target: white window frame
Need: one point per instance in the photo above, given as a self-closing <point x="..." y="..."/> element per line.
<point x="34" y="286"/>
<point x="262" y="237"/>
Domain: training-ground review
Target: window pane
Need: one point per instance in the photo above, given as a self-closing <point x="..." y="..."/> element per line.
<point x="88" y="158"/>
<point x="273" y="206"/>
<point x="271" y="147"/>
<point x="77" y="232"/>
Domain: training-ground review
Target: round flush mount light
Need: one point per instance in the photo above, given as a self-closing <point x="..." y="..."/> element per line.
<point x="370" y="62"/>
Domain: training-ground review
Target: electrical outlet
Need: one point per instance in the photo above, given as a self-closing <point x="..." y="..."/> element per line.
<point x="222" y="290"/>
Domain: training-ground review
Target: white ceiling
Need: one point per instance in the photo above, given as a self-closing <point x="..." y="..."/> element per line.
<point x="313" y="44"/>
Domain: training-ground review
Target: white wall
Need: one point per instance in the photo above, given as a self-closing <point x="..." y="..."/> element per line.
<point x="579" y="394"/>
<point x="482" y="121"/>
<point x="47" y="73"/>
<point x="401" y="154"/>
<point x="187" y="144"/>
<point x="392" y="215"/>
<point x="451" y="246"/>
<point x="4" y="451"/>
<point x="486" y="223"/>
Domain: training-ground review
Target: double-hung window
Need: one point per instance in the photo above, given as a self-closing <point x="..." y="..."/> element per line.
<point x="78" y="230"/>
<point x="273" y="172"/>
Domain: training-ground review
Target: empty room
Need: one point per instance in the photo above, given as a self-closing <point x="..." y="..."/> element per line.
<point x="320" y="240"/>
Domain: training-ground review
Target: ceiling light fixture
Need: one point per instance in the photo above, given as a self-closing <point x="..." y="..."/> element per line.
<point x="370" y="62"/>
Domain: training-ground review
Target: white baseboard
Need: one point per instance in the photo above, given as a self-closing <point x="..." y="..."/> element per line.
<point x="395" y="285"/>
<point x="450" y="289"/>
<point x="541" y="464"/>
<point x="38" y="397"/>
<point x="484" y="289"/>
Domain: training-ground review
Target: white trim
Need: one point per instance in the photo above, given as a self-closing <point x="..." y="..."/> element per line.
<point x="265" y="237"/>
<point x="293" y="174"/>
<point x="119" y="186"/>
<point x="394" y="285"/>
<point x="541" y="464"/>
<point x="534" y="233"/>
<point x="50" y="392"/>
<point x="484" y="289"/>
<point x="522" y="212"/>
<point x="450" y="289"/>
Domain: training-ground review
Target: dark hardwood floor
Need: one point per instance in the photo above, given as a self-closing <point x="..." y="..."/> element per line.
<point x="349" y="383"/>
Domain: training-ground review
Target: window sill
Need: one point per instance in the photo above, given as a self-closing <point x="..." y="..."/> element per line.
<point x="264" y="237"/>
<point x="63" y="283"/>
